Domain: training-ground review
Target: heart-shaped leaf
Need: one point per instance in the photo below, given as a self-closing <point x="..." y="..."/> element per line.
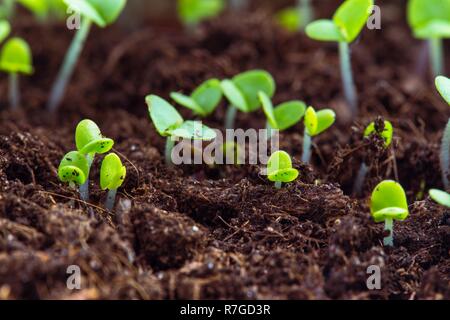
<point x="73" y="168"/>
<point x="165" y="117"/>
<point x="324" y="30"/>
<point x="429" y="18"/>
<point x="387" y="195"/>
<point x="250" y="83"/>
<point x="289" y="114"/>
<point x="234" y="95"/>
<point x="208" y="95"/>
<point x="89" y="139"/>
<point x="351" y="17"/>
<point x="112" y="172"/>
<point x="15" y="57"/>
<point x="187" y="102"/>
<point x="279" y="168"/>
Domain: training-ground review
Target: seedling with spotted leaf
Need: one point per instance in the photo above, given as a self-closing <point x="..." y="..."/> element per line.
<point x="243" y="91"/>
<point x="443" y="86"/>
<point x="170" y="124"/>
<point x="388" y="203"/>
<point x="279" y="169"/>
<point x="344" y="28"/>
<point x="315" y="124"/>
<point x="74" y="169"/>
<point x="15" y="59"/>
<point x="430" y="20"/>
<point x="100" y="12"/>
<point x="204" y="100"/>
<point x="90" y="141"/>
<point x="112" y="176"/>
<point x="386" y="132"/>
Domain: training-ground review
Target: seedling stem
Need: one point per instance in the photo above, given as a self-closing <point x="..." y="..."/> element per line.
<point x="347" y="77"/>
<point x="14" y="95"/>
<point x="170" y="143"/>
<point x="306" y="157"/>
<point x="230" y="117"/>
<point x="111" y="199"/>
<point x="278" y="184"/>
<point x="305" y="12"/>
<point x="445" y="155"/>
<point x="84" y="188"/>
<point x="437" y="56"/>
<point x="389" y="226"/>
<point x="360" y="178"/>
<point x="69" y="63"/>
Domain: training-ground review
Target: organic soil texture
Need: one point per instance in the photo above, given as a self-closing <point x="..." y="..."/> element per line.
<point x="224" y="232"/>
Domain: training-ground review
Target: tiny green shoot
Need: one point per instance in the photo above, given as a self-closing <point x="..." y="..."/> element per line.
<point x="100" y="12"/>
<point x="316" y="122"/>
<point x="283" y="116"/>
<point x="90" y="141"/>
<point x="243" y="90"/>
<point x="443" y="86"/>
<point x="441" y="197"/>
<point x="344" y="28"/>
<point x="279" y="169"/>
<point x="296" y="18"/>
<point x="430" y="20"/>
<point x="193" y="12"/>
<point x="170" y="124"/>
<point x="73" y="169"/>
<point x="15" y="59"/>
<point x="388" y="203"/>
<point x="112" y="176"/>
<point x="204" y="100"/>
<point x="386" y="132"/>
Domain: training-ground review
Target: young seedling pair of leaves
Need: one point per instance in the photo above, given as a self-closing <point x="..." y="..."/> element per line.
<point x="192" y="12"/>
<point x="388" y="203"/>
<point x="344" y="28"/>
<point x="100" y="12"/>
<point x="43" y="9"/>
<point x="203" y="100"/>
<point x="279" y="169"/>
<point x="296" y="18"/>
<point x="283" y="116"/>
<point x="15" y="59"/>
<point x="242" y="92"/>
<point x="430" y="20"/>
<point x="315" y="122"/>
<point x="170" y="124"/>
<point x="386" y="134"/>
<point x="443" y="87"/>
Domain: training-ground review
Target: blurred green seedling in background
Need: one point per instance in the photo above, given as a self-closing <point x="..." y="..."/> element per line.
<point x="170" y="124"/>
<point x="203" y="101"/>
<point x="279" y="169"/>
<point x="100" y="12"/>
<point x="243" y="91"/>
<point x="315" y="124"/>
<point x="388" y="203"/>
<point x="112" y="176"/>
<point x="296" y="18"/>
<point x="5" y="30"/>
<point x="441" y="197"/>
<point x="347" y="23"/>
<point x="193" y="12"/>
<point x="90" y="141"/>
<point x="15" y="59"/>
<point x="73" y="169"/>
<point x="443" y="86"/>
<point x="430" y="20"/>
<point x="283" y="116"/>
<point x="386" y="133"/>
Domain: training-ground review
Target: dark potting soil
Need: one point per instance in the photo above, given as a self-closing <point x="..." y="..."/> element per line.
<point x="199" y="232"/>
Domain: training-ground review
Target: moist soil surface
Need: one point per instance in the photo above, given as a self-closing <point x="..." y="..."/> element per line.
<point x="224" y="232"/>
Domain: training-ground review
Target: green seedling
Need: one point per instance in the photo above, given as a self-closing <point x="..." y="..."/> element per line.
<point x="74" y="169"/>
<point x="243" y="91"/>
<point x="344" y="28"/>
<point x="100" y="12"/>
<point x="386" y="133"/>
<point x="315" y="124"/>
<point x="282" y="117"/>
<point x="112" y="176"/>
<point x="279" y="169"/>
<point x="204" y="100"/>
<point x="441" y="197"/>
<point x="7" y="8"/>
<point x="90" y="141"/>
<point x="430" y="20"/>
<point x="15" y="59"/>
<point x="170" y="124"/>
<point x="295" y="18"/>
<point x="5" y="30"/>
<point x="192" y="12"/>
<point x="443" y="86"/>
<point x="388" y="203"/>
<point x="43" y="9"/>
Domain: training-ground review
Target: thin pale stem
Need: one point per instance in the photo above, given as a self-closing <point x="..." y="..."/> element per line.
<point x="269" y="132"/>
<point x="389" y="226"/>
<point x="306" y="12"/>
<point x="307" y="141"/>
<point x="84" y="188"/>
<point x="278" y="184"/>
<point x="168" y="152"/>
<point x="347" y="78"/>
<point x="445" y="155"/>
<point x="230" y="117"/>
<point x="437" y="56"/>
<point x="360" y="178"/>
<point x="70" y="61"/>
<point x="14" y="93"/>
<point x="110" y="200"/>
